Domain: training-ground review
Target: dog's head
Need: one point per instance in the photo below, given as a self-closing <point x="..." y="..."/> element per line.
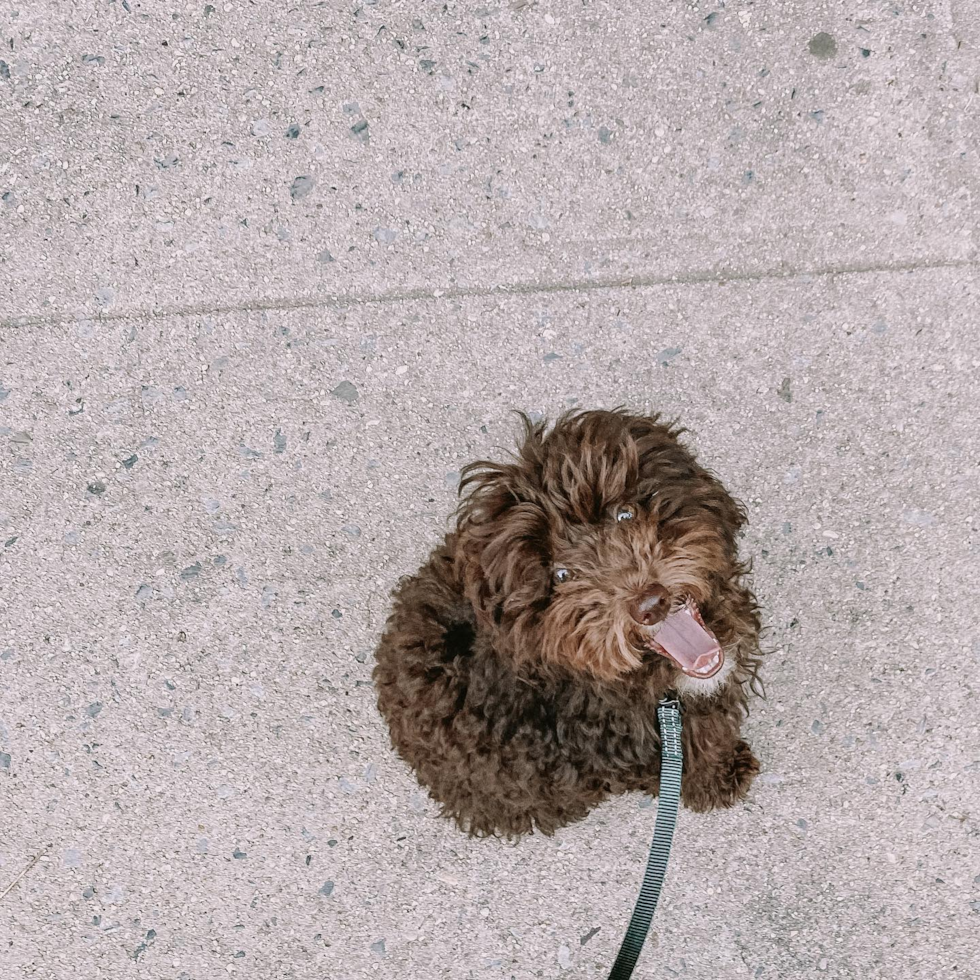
<point x="598" y="547"/>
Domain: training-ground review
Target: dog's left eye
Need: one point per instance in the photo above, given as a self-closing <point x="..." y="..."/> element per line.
<point x="625" y="514"/>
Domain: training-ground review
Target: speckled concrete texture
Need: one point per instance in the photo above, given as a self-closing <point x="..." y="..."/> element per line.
<point x="270" y="275"/>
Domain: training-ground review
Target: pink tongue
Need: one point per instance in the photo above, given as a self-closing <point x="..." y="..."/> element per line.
<point x="689" y="644"/>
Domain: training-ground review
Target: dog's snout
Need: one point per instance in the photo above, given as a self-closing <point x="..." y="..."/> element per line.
<point x="651" y="607"/>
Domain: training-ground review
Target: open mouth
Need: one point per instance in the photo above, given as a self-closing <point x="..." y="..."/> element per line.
<point x="683" y="639"/>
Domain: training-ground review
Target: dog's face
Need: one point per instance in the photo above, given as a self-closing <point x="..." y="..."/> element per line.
<point x="599" y="548"/>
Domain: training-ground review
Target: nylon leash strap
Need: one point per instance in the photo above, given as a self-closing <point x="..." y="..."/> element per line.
<point x="671" y="769"/>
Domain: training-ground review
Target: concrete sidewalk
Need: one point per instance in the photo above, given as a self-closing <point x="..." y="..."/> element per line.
<point x="270" y="276"/>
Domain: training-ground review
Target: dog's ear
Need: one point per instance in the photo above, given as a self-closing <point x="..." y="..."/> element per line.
<point x="502" y="547"/>
<point x="684" y="487"/>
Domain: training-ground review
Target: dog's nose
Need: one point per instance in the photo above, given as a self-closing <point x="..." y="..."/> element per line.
<point x="649" y="608"/>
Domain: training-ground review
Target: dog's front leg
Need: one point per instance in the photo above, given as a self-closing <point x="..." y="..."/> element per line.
<point x="718" y="765"/>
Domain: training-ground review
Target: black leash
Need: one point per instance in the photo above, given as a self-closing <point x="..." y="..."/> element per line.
<point x="671" y="769"/>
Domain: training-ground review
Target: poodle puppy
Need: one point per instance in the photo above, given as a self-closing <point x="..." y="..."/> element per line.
<point x="594" y="571"/>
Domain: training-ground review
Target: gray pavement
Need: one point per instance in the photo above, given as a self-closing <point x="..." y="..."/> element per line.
<point x="270" y="275"/>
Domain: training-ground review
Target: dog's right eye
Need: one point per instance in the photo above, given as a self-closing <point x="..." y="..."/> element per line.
<point x="562" y="575"/>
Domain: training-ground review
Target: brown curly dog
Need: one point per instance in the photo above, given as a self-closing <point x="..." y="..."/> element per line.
<point x="521" y="667"/>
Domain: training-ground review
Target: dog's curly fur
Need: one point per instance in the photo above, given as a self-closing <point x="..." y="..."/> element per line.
<point x="522" y="699"/>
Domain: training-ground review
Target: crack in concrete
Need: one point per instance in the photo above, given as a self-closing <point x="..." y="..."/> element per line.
<point x="594" y="284"/>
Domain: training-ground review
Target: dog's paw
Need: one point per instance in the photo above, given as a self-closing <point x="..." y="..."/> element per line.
<point x="745" y="767"/>
<point x="723" y="785"/>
